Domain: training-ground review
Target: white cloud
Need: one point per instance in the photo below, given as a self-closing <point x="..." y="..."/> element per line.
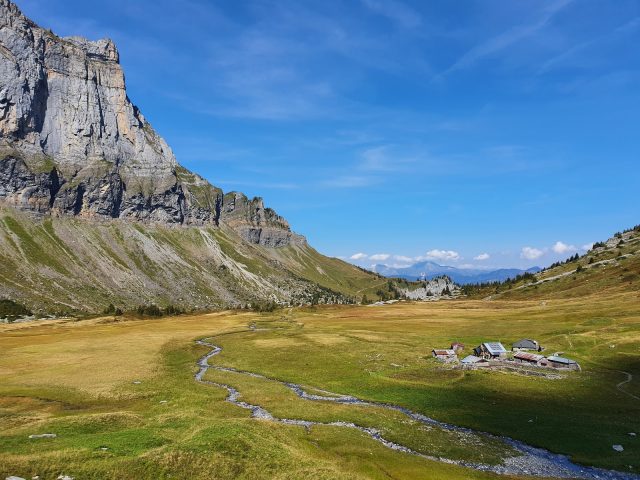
<point x="482" y="256"/>
<point x="587" y="246"/>
<point x="531" y="253"/>
<point x="561" y="247"/>
<point x="380" y="257"/>
<point x="402" y="258"/>
<point x="441" y="255"/>
<point x="358" y="256"/>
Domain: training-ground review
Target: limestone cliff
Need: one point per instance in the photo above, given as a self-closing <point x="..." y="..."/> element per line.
<point x="72" y="143"/>
<point x="431" y="289"/>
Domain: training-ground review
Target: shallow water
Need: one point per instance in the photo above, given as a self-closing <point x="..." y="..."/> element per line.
<point x="529" y="461"/>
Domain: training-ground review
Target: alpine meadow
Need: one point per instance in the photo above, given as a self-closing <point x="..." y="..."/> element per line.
<point x="154" y="325"/>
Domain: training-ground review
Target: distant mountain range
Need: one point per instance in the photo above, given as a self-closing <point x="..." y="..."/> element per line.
<point x="462" y="276"/>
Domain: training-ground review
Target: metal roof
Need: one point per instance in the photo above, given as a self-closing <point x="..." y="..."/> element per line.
<point x="444" y="352"/>
<point x="564" y="360"/>
<point x="495" y="348"/>
<point x="526" y="343"/>
<point x="532" y="357"/>
<point x="472" y="359"/>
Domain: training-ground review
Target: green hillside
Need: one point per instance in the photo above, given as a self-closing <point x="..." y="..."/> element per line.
<point x="610" y="267"/>
<point x="67" y="265"/>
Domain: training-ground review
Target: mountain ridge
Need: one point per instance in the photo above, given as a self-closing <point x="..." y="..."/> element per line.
<point x="428" y="270"/>
<point x="72" y="143"/>
<point x="96" y="210"/>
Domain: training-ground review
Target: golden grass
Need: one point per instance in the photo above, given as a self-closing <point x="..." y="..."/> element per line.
<point x="96" y="357"/>
<point x="76" y="378"/>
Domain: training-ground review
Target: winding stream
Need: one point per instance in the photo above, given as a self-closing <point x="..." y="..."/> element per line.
<point x="529" y="461"/>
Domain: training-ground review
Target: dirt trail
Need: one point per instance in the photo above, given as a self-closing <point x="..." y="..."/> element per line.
<point x="624" y="382"/>
<point x="529" y="460"/>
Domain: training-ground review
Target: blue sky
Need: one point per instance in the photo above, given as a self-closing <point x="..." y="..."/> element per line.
<point x="474" y="132"/>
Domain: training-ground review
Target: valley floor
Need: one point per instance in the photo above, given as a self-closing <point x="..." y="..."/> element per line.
<point x="121" y="397"/>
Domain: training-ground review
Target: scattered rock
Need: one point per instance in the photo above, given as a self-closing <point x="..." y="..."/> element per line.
<point x="137" y="382"/>
<point x="65" y="477"/>
<point x="13" y="477"/>
<point x="618" y="448"/>
<point x="43" y="435"/>
<point x="164" y="401"/>
<point x="632" y="434"/>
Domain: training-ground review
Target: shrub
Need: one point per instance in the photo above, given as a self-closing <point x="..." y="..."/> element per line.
<point x="173" y="310"/>
<point x="149" y="310"/>
<point x="110" y="310"/>
<point x="12" y="310"/>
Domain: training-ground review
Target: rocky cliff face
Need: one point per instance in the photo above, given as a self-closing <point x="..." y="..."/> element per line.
<point x="432" y="289"/>
<point x="72" y="143"/>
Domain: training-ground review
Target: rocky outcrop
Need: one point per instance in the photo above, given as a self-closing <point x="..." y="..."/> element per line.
<point x="72" y="143"/>
<point x="431" y="289"/>
<point x="255" y="223"/>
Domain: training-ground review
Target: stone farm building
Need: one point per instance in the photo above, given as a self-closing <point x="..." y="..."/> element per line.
<point x="526" y="344"/>
<point x="531" y="359"/>
<point x="556" y="361"/>
<point x="457" y="346"/>
<point x="473" y="361"/>
<point x="444" y="355"/>
<point x="490" y="350"/>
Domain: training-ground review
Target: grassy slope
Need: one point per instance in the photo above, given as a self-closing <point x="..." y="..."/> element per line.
<point x="609" y="270"/>
<point x="69" y="264"/>
<point x="84" y="392"/>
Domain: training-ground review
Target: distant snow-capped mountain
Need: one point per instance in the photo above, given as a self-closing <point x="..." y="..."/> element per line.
<point x="462" y="276"/>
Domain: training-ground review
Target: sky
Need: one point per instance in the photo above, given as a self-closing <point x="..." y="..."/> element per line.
<point x="477" y="133"/>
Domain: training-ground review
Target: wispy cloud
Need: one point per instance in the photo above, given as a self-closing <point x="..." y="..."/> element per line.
<point x="358" y="256"/>
<point x="265" y="185"/>
<point x="482" y="256"/>
<point x="349" y="181"/>
<point x="561" y="59"/>
<point x="395" y="11"/>
<point x="506" y="39"/>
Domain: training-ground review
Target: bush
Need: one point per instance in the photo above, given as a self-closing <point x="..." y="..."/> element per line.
<point x="149" y="310"/>
<point x="265" y="306"/>
<point x="173" y="310"/>
<point x="110" y="310"/>
<point x="12" y="310"/>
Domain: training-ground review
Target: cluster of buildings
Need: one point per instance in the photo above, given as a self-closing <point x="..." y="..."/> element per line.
<point x="494" y="353"/>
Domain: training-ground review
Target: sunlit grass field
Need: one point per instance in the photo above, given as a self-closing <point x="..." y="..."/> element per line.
<point x="76" y="379"/>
